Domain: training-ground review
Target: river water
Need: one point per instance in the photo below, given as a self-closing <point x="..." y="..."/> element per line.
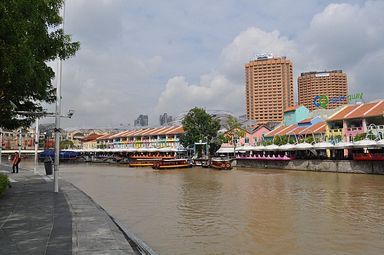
<point x="243" y="211"/>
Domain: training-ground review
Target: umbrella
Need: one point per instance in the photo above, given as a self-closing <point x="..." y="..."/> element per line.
<point x="343" y="145"/>
<point x="258" y="148"/>
<point x="287" y="147"/>
<point x="323" y="145"/>
<point x="365" y="143"/>
<point x="303" y="146"/>
<point x="272" y="147"/>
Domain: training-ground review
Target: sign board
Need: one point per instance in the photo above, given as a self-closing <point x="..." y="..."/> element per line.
<point x="322" y="75"/>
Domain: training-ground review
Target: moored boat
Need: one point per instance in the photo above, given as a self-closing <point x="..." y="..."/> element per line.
<point x="63" y="155"/>
<point x="221" y="163"/>
<point x="171" y="163"/>
<point x="143" y="162"/>
<point x="368" y="156"/>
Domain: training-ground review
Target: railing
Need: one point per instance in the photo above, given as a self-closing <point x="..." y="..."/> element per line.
<point x="354" y="131"/>
<point x="376" y="127"/>
<point x="335" y="132"/>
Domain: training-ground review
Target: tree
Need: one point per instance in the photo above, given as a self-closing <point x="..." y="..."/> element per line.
<point x="199" y="125"/>
<point x="30" y="37"/>
<point x="66" y="144"/>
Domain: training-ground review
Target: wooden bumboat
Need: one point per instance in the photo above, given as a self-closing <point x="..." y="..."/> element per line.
<point x="171" y="163"/>
<point x="221" y="164"/>
<point x="143" y="162"/>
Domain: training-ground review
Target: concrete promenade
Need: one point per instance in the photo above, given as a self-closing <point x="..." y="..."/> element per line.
<point x="35" y="220"/>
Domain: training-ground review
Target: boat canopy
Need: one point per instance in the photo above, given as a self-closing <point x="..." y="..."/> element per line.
<point x="225" y="150"/>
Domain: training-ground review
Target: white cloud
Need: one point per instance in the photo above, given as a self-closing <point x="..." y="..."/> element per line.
<point x="224" y="89"/>
<point x="148" y="57"/>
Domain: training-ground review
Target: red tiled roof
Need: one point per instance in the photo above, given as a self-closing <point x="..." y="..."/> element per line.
<point x="172" y="130"/>
<point x="104" y="137"/>
<point x="292" y="108"/>
<point x="92" y="137"/>
<point x="359" y="111"/>
<point x="314" y="129"/>
<point x="282" y="130"/>
<point x="307" y="120"/>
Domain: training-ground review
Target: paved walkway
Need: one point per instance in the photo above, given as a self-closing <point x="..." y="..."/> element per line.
<point x="36" y="220"/>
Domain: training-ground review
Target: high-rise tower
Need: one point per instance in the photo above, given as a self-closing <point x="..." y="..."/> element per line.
<point x="268" y="88"/>
<point x="327" y="89"/>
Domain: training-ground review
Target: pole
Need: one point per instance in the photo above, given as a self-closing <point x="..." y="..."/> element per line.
<point x="36" y="144"/>
<point x="57" y="117"/>
<point x="20" y="142"/>
<point x="1" y="143"/>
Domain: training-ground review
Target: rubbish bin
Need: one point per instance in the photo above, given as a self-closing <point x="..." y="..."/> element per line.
<point x="48" y="165"/>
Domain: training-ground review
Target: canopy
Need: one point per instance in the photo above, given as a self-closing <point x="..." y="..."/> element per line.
<point x="272" y="147"/>
<point x="323" y="145"/>
<point x="303" y="146"/>
<point x="226" y="150"/>
<point x="244" y="148"/>
<point x="343" y="145"/>
<point x="365" y="143"/>
<point x="287" y="147"/>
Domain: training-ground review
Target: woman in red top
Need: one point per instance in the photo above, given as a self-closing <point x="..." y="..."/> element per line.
<point x="15" y="163"/>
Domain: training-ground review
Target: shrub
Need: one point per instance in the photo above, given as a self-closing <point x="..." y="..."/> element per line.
<point x="4" y="183"/>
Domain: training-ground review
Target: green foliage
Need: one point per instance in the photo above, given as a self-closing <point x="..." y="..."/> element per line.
<point x="232" y="123"/>
<point x="4" y="183"/>
<point x="281" y="140"/>
<point x="359" y="137"/>
<point x="66" y="144"/>
<point x="199" y="125"/>
<point x="311" y="140"/>
<point x="30" y="37"/>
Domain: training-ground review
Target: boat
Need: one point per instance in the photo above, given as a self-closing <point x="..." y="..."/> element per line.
<point x="221" y="163"/>
<point x="63" y="155"/>
<point x="368" y="156"/>
<point x="171" y="163"/>
<point x="202" y="162"/>
<point x="143" y="162"/>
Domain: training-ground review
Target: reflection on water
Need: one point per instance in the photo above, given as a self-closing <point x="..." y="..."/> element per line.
<point x="202" y="211"/>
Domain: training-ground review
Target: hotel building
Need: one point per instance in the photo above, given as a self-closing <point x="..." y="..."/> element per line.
<point x="330" y="87"/>
<point x="268" y="88"/>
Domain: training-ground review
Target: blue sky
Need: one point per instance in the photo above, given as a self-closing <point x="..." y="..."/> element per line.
<point x="150" y="57"/>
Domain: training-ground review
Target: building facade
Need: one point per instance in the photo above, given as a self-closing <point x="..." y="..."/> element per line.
<point x="268" y="88"/>
<point x="326" y="90"/>
<point x="141" y="121"/>
<point x="165" y="119"/>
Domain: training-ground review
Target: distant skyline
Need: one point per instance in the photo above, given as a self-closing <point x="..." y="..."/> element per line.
<point x="150" y="57"/>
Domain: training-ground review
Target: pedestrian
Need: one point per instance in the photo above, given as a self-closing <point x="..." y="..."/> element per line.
<point x="15" y="163"/>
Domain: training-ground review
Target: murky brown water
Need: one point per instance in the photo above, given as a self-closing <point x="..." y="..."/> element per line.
<point x="203" y="211"/>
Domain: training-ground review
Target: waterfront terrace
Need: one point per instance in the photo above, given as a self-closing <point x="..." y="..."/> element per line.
<point x="163" y="137"/>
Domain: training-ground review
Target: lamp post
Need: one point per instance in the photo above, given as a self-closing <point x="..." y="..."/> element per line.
<point x="1" y="142"/>
<point x="58" y="115"/>
<point x="36" y="144"/>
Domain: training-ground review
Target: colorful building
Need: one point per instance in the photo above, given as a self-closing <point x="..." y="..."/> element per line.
<point x="358" y="119"/>
<point x="164" y="137"/>
<point x="295" y="114"/>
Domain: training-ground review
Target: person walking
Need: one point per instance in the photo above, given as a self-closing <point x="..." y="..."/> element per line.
<point x="15" y="163"/>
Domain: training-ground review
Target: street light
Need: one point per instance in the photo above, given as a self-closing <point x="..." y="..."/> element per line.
<point x="57" y="139"/>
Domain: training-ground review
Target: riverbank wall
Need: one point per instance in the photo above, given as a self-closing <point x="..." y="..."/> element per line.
<point x="338" y="166"/>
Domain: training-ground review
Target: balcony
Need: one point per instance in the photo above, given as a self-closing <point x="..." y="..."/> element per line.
<point x="335" y="132"/>
<point x="353" y="131"/>
<point x="377" y="130"/>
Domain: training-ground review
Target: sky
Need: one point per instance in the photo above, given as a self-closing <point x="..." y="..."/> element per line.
<point x="150" y="57"/>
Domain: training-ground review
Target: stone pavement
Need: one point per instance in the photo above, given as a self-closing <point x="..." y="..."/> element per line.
<point x="36" y="220"/>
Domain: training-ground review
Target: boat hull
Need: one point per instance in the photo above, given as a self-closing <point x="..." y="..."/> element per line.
<point x="171" y="164"/>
